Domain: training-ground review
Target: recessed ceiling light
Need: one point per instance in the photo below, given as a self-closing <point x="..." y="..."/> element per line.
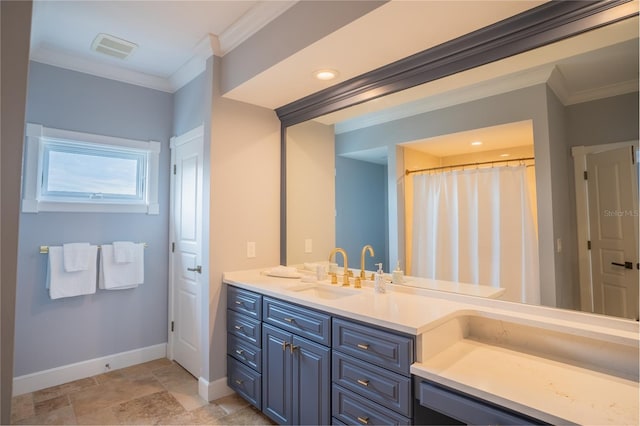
<point x="326" y="74"/>
<point x="504" y="155"/>
<point x="476" y="143"/>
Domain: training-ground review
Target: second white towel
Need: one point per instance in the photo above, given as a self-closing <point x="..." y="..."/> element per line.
<point x="120" y="276"/>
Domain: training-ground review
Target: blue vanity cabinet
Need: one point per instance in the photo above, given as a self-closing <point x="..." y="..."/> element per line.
<point x="244" y="344"/>
<point x="371" y="381"/>
<point x="296" y="370"/>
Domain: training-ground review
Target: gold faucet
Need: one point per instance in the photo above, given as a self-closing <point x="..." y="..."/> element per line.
<point x="364" y="250"/>
<point x="345" y="278"/>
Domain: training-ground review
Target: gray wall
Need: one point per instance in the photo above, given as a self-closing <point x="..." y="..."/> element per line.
<point x="564" y="228"/>
<point x="51" y="333"/>
<point x="16" y="24"/>
<point x="607" y="120"/>
<point x="361" y="211"/>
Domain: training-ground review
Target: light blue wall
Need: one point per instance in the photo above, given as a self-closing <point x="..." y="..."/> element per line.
<point x="189" y="105"/>
<point x="52" y="333"/>
<point x="361" y="207"/>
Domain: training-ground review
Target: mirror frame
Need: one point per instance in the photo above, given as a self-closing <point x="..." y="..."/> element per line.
<point x="537" y="27"/>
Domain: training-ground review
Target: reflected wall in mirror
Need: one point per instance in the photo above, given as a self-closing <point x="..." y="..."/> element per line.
<point x="579" y="92"/>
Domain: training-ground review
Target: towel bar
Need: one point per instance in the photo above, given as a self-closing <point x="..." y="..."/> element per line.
<point x="45" y="249"/>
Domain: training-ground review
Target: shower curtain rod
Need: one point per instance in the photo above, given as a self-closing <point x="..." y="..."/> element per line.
<point x="408" y="172"/>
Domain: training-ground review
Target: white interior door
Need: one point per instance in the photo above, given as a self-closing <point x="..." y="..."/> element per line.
<point x="186" y="253"/>
<point x="613" y="223"/>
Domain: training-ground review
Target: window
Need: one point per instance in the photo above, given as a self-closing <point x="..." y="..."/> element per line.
<point x="82" y="172"/>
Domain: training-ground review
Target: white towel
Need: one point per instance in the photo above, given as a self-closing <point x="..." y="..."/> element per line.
<point x="69" y="284"/>
<point x="120" y="276"/>
<point x="283" y="272"/>
<point x="76" y="257"/>
<point x="124" y="251"/>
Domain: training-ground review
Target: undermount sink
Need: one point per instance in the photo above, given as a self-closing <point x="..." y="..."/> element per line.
<point x="323" y="291"/>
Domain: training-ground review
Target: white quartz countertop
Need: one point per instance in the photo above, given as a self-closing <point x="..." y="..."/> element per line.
<point x="541" y="387"/>
<point x="545" y="389"/>
<point x="396" y="310"/>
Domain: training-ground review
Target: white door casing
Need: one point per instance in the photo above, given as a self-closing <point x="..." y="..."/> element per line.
<point x="613" y="218"/>
<point x="186" y="277"/>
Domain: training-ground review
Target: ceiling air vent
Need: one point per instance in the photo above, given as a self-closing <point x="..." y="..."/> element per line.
<point x="113" y="46"/>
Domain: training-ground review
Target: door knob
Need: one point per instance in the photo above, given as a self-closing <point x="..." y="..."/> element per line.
<point x="197" y="269"/>
<point x="627" y="265"/>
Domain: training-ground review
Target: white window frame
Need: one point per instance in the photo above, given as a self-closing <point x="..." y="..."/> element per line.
<point x="33" y="201"/>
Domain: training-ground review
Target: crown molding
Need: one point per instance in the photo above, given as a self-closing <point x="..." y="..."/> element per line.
<point x="207" y="47"/>
<point x="58" y="58"/>
<point x="251" y="22"/>
<point x="610" y="90"/>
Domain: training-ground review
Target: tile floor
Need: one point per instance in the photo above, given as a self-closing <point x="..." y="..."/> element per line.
<point x="156" y="392"/>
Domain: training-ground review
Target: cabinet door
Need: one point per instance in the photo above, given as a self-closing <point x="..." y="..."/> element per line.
<point x="276" y="374"/>
<point x="311" y="382"/>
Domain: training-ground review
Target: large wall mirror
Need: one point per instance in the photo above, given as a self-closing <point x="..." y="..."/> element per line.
<point x="358" y="172"/>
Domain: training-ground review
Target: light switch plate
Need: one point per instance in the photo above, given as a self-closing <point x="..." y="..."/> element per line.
<point x="251" y="249"/>
<point x="308" y="245"/>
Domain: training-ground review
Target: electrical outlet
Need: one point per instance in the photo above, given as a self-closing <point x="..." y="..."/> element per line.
<point x="308" y="245"/>
<point x="251" y="249"/>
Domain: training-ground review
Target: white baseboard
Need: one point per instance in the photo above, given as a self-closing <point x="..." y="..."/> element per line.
<point x="67" y="373"/>
<point x="210" y="391"/>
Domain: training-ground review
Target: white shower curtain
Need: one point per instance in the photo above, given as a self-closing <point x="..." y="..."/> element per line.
<point x="476" y="226"/>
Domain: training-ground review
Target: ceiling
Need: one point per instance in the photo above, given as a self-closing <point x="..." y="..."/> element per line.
<point x="168" y="34"/>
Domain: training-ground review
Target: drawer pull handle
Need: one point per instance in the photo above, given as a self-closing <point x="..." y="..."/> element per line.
<point x="240" y="352"/>
<point x="363" y="346"/>
<point x="363" y="382"/>
<point x="363" y="420"/>
<point x="293" y="348"/>
<point x="238" y="382"/>
<point x="238" y="327"/>
<point x="288" y="319"/>
<point x="284" y="345"/>
<point x="238" y="302"/>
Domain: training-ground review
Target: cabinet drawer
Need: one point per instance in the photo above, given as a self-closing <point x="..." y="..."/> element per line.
<point x="245" y="381"/>
<point x="352" y="409"/>
<point x="376" y="384"/>
<point x="336" y="422"/>
<point x="467" y="409"/>
<point x="244" y="352"/>
<point x="244" y="301"/>
<point x="376" y="346"/>
<point x="304" y="322"/>
<point x="244" y="327"/>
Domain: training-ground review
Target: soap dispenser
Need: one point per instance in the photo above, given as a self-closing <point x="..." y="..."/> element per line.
<point x="379" y="285"/>
<point x="397" y="277"/>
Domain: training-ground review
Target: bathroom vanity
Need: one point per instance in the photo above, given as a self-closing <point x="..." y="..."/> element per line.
<point x="316" y="353"/>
